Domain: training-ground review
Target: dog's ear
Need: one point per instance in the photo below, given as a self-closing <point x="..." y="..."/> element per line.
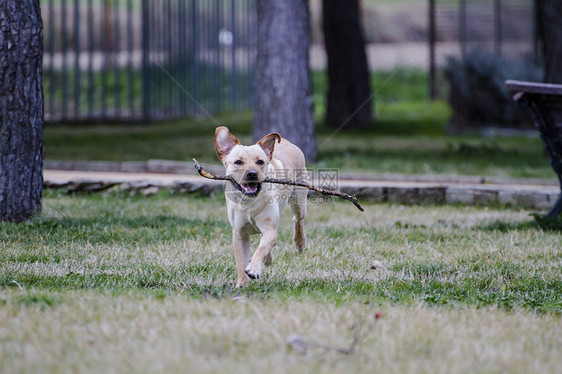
<point x="267" y="143"/>
<point x="224" y="141"/>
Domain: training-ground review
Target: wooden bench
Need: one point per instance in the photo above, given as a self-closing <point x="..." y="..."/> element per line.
<point x="545" y="104"/>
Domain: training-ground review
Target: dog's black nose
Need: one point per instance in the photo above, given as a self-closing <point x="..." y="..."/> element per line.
<point x="252" y="175"/>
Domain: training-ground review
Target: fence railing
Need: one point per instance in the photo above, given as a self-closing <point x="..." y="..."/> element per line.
<point x="121" y="60"/>
<point x="502" y="27"/>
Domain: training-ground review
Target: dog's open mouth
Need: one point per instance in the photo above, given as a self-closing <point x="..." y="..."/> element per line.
<point x="251" y="189"/>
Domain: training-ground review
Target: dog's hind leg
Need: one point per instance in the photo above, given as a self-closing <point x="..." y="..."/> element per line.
<point x="298" y="202"/>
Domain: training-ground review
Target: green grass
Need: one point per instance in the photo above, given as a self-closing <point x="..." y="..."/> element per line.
<point x="401" y="104"/>
<point x="387" y="148"/>
<point x="125" y="283"/>
<point x="507" y="157"/>
<point x="408" y="136"/>
<point x="388" y="87"/>
<point x="440" y="255"/>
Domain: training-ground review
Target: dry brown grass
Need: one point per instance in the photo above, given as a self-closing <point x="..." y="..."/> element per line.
<point x="131" y="332"/>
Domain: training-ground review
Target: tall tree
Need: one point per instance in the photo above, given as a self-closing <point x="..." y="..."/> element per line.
<point x="283" y="100"/>
<point x="549" y="30"/>
<point x="21" y="109"/>
<point x="349" y="101"/>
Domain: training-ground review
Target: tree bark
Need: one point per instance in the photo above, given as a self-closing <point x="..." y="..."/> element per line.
<point x="349" y="101"/>
<point x="549" y="30"/>
<point x="283" y="100"/>
<point x="21" y="109"/>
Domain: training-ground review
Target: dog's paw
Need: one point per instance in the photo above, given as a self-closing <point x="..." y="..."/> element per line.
<point x="243" y="282"/>
<point x="252" y="272"/>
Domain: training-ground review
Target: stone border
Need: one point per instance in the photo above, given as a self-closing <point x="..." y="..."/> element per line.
<point x="186" y="168"/>
<point x="399" y="192"/>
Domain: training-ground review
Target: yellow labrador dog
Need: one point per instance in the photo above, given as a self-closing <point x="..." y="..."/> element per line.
<point x="255" y="208"/>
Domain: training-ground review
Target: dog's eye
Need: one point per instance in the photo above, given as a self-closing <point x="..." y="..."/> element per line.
<point x="239" y="162"/>
<point x="260" y="162"/>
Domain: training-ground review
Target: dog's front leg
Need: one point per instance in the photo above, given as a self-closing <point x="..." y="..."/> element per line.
<point x="267" y="241"/>
<point x="242" y="254"/>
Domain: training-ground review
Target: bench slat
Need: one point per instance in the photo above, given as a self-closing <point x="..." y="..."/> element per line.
<point x="534" y="87"/>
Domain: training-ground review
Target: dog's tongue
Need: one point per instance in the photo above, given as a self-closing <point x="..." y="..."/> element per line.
<point x="250" y="187"/>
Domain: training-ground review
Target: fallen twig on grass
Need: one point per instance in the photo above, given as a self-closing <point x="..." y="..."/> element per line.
<point x="204" y="173"/>
<point x="359" y="336"/>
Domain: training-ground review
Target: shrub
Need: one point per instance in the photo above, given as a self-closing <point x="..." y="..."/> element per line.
<point x="477" y="92"/>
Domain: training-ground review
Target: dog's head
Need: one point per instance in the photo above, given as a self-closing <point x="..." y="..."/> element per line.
<point x="246" y="165"/>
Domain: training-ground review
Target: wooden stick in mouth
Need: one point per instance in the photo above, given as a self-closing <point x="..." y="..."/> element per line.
<point x="204" y="173"/>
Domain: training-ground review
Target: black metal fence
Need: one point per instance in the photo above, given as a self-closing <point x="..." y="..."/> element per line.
<point x="120" y="60"/>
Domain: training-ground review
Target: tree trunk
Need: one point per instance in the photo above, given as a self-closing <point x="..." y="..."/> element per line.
<point x="349" y="100"/>
<point x="283" y="100"/>
<point x="21" y="109"/>
<point x="549" y="30"/>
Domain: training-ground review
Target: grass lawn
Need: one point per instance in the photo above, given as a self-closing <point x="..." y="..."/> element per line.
<point x="118" y="283"/>
<point x="397" y="144"/>
<point x="407" y="137"/>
